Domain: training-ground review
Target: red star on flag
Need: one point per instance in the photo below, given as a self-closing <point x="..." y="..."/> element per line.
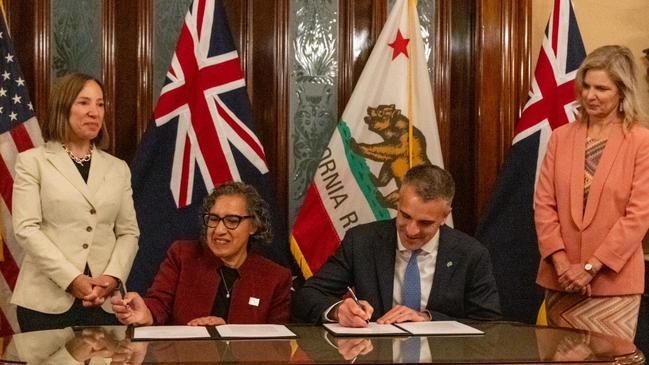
<point x="400" y="45"/>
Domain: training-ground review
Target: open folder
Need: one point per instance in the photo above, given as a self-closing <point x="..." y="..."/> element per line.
<point x="434" y="328"/>
<point x="226" y="331"/>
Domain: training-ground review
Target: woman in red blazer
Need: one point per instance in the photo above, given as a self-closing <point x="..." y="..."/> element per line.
<point x="592" y="202"/>
<point x="217" y="280"/>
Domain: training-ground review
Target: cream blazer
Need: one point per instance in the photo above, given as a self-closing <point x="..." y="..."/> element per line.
<point x="616" y="217"/>
<point x="62" y="223"/>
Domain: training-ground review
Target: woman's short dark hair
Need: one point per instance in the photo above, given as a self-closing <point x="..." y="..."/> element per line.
<point x="56" y="127"/>
<point x="255" y="205"/>
<point x="431" y="182"/>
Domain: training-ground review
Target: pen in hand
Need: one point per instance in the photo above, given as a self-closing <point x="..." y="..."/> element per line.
<point x="122" y="294"/>
<point x="121" y="289"/>
<point x="355" y="298"/>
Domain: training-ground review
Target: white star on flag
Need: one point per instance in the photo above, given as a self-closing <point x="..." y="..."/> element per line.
<point x="16" y="99"/>
<point x="9" y="58"/>
<point x="13" y="116"/>
<point x="20" y="82"/>
<point x="3" y="91"/>
<point x="6" y="75"/>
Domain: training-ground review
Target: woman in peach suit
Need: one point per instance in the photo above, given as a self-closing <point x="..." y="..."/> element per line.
<point x="592" y="202"/>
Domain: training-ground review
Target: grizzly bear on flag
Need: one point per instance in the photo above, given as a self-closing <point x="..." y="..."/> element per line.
<point x="388" y="122"/>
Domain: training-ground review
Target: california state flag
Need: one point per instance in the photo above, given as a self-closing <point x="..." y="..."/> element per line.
<point x="388" y="126"/>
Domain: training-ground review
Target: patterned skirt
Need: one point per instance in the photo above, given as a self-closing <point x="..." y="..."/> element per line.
<point x="611" y="315"/>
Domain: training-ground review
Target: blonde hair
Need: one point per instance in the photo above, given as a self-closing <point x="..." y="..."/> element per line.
<point x="56" y="127"/>
<point x="618" y="63"/>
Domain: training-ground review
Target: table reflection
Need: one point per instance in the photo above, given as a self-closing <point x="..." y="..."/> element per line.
<point x="94" y="345"/>
<point x="233" y="351"/>
<point x="351" y="348"/>
<point x="579" y="345"/>
<point x="501" y="343"/>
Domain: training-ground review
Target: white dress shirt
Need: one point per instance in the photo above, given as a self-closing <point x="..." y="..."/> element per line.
<point x="426" y="262"/>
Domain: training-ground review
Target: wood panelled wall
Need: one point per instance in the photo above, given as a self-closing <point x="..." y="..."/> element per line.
<point x="480" y="76"/>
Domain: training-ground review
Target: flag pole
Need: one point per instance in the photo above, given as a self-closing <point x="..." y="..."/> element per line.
<point x="412" y="6"/>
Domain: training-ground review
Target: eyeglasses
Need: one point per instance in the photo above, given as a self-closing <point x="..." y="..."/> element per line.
<point x="230" y="221"/>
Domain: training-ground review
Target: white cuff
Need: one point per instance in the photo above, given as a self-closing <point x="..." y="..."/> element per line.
<point x="325" y="315"/>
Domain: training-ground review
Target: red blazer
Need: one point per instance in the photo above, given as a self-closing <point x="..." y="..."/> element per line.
<point x="187" y="282"/>
<point x="616" y="216"/>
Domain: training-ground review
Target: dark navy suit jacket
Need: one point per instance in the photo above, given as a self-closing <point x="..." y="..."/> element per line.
<point x="463" y="284"/>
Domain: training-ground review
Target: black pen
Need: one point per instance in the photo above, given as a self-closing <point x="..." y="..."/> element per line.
<point x="351" y="292"/>
<point x="122" y="291"/>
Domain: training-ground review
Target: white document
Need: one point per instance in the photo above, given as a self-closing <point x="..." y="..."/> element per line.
<point x="439" y="328"/>
<point x="169" y="332"/>
<point x="254" y="331"/>
<point x="372" y="329"/>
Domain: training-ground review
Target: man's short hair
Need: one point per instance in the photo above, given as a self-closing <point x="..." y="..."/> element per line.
<point x="431" y="182"/>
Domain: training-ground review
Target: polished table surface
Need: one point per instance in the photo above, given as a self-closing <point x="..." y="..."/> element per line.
<point x="502" y="343"/>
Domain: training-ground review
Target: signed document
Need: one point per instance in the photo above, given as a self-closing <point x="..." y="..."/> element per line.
<point x="254" y="331"/>
<point x="439" y="328"/>
<point x="169" y="332"/>
<point x="373" y="329"/>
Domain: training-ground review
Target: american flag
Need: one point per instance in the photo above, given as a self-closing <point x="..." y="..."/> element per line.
<point x="203" y="135"/>
<point x="19" y="131"/>
<point x="514" y="251"/>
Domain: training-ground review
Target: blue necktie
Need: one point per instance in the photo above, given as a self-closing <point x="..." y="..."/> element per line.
<point x="410" y="348"/>
<point x="411" y="290"/>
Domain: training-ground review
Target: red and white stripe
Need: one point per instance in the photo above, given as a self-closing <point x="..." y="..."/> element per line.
<point x="206" y="127"/>
<point x="19" y="139"/>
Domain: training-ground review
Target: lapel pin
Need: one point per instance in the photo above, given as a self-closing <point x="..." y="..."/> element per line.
<point x="449" y="264"/>
<point x="253" y="301"/>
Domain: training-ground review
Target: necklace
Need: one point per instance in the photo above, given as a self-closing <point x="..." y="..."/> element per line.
<point x="79" y="160"/>
<point x="225" y="284"/>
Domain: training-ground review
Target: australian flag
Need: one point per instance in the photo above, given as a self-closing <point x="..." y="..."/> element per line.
<point x="202" y="136"/>
<point x="507" y="227"/>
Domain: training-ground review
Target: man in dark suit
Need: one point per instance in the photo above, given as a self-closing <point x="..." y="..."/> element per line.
<point x="388" y="262"/>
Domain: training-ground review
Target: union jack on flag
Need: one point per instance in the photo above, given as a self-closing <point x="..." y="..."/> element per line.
<point x="203" y="135"/>
<point x="514" y="251"/>
<point x="19" y="131"/>
<point x="552" y="96"/>
<point x="202" y="70"/>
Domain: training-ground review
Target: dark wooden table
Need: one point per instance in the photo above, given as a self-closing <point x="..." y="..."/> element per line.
<point x="502" y="343"/>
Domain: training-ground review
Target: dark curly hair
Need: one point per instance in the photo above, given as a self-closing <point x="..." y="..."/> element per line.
<point x="255" y="204"/>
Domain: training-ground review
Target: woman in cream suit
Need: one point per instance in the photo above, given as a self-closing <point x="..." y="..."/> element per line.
<point x="592" y="202"/>
<point x="72" y="214"/>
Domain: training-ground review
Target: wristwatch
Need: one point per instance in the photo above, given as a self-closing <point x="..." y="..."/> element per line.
<point x="589" y="268"/>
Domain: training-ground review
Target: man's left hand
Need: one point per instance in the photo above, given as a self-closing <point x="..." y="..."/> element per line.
<point x="402" y="313"/>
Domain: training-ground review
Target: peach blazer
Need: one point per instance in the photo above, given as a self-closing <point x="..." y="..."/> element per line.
<point x="616" y="216"/>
